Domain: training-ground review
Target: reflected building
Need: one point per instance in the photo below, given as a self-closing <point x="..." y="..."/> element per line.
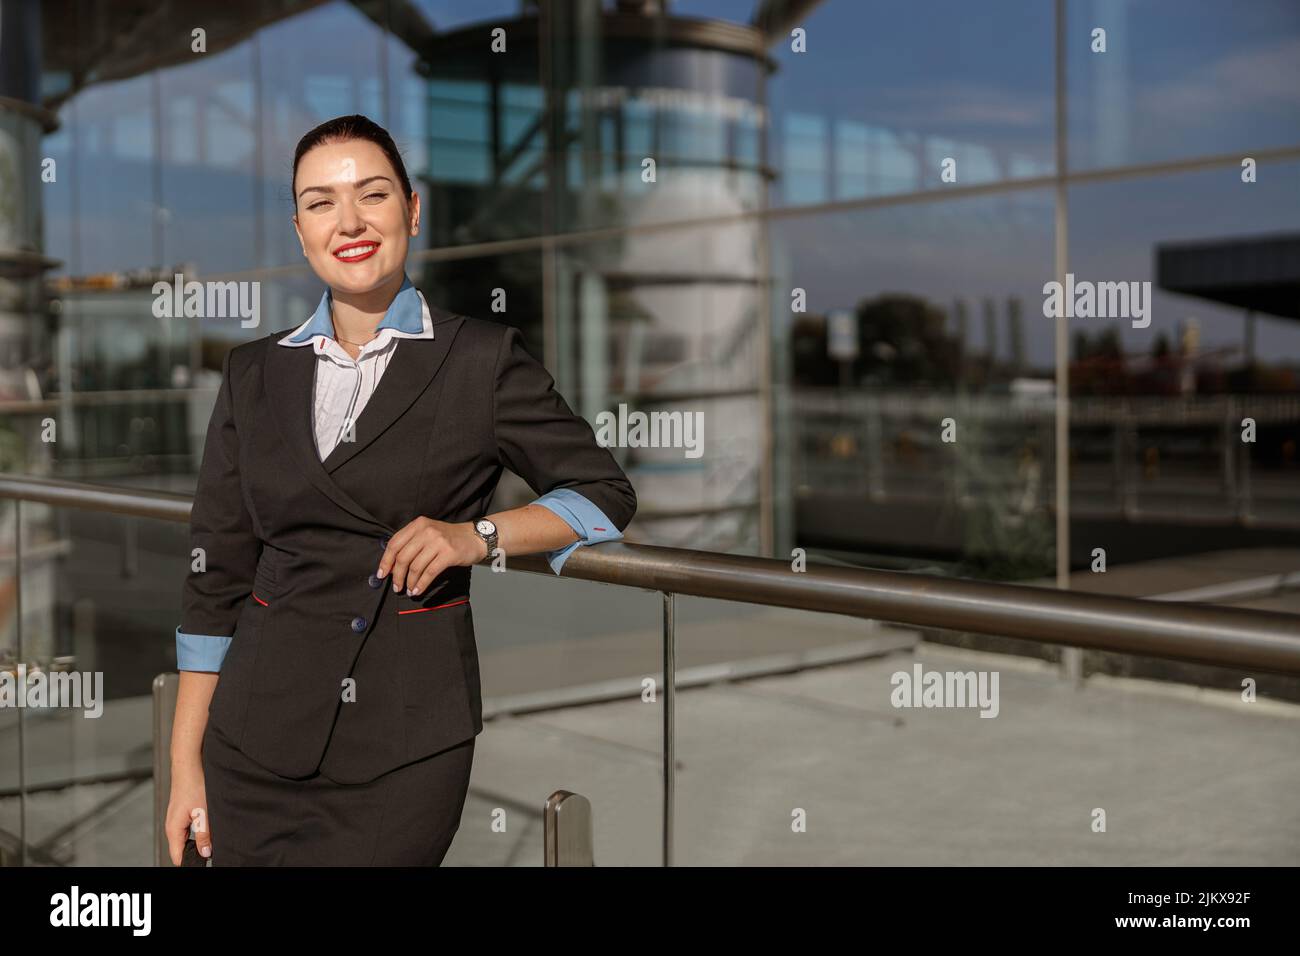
<point x="660" y="121"/>
<point x="27" y="330"/>
<point x="530" y="129"/>
<point x="571" y="129"/>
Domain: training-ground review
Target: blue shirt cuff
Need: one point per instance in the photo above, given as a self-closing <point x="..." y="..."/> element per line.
<point x="590" y="523"/>
<point x="200" y="652"/>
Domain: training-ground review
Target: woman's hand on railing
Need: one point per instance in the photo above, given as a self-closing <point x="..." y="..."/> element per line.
<point x="187" y="806"/>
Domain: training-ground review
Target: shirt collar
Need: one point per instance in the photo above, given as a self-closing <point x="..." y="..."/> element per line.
<point x="407" y="317"/>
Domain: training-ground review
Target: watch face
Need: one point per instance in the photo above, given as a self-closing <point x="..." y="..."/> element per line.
<point x="486" y="527"/>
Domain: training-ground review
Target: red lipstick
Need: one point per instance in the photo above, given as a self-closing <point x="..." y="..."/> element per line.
<point x="359" y="251"/>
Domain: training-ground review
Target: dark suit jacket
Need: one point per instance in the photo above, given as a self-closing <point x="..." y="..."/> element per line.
<point x="292" y="543"/>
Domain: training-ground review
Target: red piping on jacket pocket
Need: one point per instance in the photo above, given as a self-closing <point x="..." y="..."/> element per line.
<point x="417" y="610"/>
<point x="259" y="600"/>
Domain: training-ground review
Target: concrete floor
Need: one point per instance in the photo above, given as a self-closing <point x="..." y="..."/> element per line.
<point x="1185" y="777"/>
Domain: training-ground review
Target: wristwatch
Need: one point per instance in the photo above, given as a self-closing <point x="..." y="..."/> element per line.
<point x="487" y="530"/>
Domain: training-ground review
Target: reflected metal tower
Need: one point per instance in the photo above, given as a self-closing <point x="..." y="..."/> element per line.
<point x="641" y="118"/>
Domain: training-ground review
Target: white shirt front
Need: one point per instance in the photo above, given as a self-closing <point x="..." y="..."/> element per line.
<point x="343" y="385"/>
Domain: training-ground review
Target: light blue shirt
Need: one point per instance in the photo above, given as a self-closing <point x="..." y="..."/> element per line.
<point x="205" y="652"/>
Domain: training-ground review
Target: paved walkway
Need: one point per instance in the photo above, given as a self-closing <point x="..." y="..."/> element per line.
<point x="1185" y="777"/>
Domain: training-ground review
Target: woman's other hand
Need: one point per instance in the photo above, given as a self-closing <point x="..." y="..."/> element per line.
<point x="423" y="549"/>
<point x="188" y="804"/>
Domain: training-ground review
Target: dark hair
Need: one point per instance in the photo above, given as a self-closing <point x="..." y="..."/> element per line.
<point x="344" y="128"/>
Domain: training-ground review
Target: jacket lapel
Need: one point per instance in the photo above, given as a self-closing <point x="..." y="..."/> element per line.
<point x="289" y="378"/>
<point x="412" y="367"/>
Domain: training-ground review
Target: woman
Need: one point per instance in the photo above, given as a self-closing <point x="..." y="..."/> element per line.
<point x="324" y="718"/>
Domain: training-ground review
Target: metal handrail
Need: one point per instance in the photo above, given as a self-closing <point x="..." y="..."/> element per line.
<point x="1196" y="633"/>
<point x="163" y="505"/>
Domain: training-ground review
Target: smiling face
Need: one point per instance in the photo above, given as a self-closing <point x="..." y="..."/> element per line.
<point x="352" y="220"/>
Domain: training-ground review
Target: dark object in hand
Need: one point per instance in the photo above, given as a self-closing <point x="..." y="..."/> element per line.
<point x="190" y="855"/>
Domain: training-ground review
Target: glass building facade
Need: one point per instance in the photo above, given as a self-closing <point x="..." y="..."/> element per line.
<point x="825" y="228"/>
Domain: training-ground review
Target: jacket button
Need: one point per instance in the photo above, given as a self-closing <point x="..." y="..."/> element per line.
<point x="383" y="543"/>
<point x="375" y="581"/>
<point x="358" y="624"/>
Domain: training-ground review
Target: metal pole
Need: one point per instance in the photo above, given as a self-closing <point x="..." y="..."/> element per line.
<point x="669" y="681"/>
<point x="766" y="397"/>
<point x="18" y="632"/>
<point x="1071" y="657"/>
<point x="1247" y="509"/>
<point x="1227" y="438"/>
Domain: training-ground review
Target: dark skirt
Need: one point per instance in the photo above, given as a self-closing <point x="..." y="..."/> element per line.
<point x="406" y="817"/>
